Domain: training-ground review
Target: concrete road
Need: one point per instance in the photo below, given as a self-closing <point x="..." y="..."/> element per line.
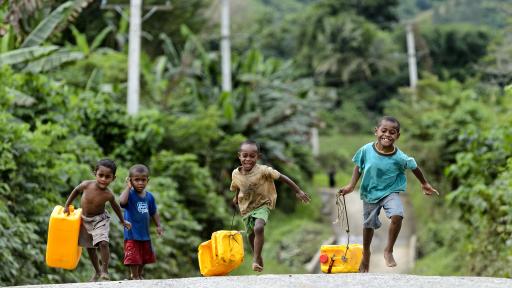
<point x="305" y="281"/>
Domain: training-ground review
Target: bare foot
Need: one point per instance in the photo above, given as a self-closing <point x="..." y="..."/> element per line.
<point x="95" y="277"/>
<point x="257" y="267"/>
<point x="390" y="260"/>
<point x="365" y="263"/>
<point x="104" y="277"/>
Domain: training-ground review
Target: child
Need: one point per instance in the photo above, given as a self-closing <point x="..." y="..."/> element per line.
<point x="139" y="206"/>
<point x="95" y="219"/>
<point x="256" y="195"/>
<point x="382" y="166"/>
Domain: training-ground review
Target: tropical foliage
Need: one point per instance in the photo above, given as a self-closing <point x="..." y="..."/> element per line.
<point x="296" y="65"/>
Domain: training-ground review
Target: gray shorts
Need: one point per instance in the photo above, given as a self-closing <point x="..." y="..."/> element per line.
<point x="392" y="207"/>
<point x="94" y="230"/>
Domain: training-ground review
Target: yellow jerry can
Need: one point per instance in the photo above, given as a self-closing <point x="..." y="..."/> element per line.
<point x="337" y="259"/>
<point x="62" y="250"/>
<point x="222" y="254"/>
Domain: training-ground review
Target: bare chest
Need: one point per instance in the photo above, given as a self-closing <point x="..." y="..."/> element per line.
<point x="93" y="201"/>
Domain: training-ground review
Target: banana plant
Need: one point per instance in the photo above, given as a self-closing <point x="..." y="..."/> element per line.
<point x="81" y="40"/>
<point x="33" y="56"/>
<point x="267" y="102"/>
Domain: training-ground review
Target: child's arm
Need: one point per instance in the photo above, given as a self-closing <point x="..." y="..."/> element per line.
<point x="298" y="192"/>
<point x="353" y="182"/>
<point x="235" y="199"/>
<point x="156" y="220"/>
<point x="123" y="199"/>
<point x="117" y="209"/>
<point x="72" y="196"/>
<point x="425" y="186"/>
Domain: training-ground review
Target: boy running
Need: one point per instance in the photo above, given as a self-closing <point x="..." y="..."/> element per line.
<point x="382" y="167"/>
<point x="256" y="195"/>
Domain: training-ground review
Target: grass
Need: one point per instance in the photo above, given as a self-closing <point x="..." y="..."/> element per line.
<point x="345" y="145"/>
<point x="343" y="148"/>
<point x="442" y="262"/>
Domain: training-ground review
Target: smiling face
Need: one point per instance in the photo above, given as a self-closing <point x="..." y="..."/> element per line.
<point x="248" y="156"/>
<point x="387" y="133"/>
<point x="104" y="176"/>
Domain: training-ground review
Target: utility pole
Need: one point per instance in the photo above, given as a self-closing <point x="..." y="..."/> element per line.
<point x="136" y="7"/>
<point x="315" y="142"/>
<point x="134" y="56"/>
<point x="411" y="57"/>
<point x="225" y="46"/>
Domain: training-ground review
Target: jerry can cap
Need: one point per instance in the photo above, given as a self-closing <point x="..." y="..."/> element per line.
<point x="324" y="258"/>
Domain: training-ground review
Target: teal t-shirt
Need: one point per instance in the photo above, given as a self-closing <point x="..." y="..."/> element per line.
<point x="382" y="174"/>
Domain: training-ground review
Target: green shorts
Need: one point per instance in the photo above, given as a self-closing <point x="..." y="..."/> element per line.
<point x="250" y="219"/>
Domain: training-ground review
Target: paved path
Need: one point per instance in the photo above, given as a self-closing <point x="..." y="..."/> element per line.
<point x="305" y="281"/>
<point x="404" y="250"/>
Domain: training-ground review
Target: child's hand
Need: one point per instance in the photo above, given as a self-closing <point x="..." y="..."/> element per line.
<point x="346" y="190"/>
<point x="128" y="182"/>
<point x="66" y="210"/>
<point x="127" y="225"/>
<point x="160" y="230"/>
<point x="428" y="190"/>
<point x="303" y="196"/>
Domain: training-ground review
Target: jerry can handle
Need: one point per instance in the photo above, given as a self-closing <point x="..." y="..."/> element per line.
<point x="71" y="210"/>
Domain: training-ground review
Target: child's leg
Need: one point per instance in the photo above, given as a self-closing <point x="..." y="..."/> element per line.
<point x="394" y="210"/>
<point x="141" y="268"/>
<point x="105" y="257"/>
<point x="371" y="222"/>
<point x="94" y="260"/>
<point x="394" y="229"/>
<point x="134" y="272"/>
<point x="251" y="241"/>
<point x="367" y="241"/>
<point x="259" y="239"/>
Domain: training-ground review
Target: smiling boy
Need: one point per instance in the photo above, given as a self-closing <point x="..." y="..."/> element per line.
<point x="382" y="167"/>
<point x="256" y="195"/>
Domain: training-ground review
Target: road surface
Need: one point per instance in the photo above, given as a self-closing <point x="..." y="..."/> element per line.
<point x="355" y="280"/>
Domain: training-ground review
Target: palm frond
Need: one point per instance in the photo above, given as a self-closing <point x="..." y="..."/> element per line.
<point x="52" y="61"/>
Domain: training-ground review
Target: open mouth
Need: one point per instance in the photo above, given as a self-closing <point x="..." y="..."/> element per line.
<point x="385" y="140"/>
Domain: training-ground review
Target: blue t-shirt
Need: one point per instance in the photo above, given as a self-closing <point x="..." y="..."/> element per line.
<point x="382" y="174"/>
<point x="138" y="211"/>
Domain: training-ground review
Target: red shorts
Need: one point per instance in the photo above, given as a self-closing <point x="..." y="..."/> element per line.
<point x="138" y="252"/>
